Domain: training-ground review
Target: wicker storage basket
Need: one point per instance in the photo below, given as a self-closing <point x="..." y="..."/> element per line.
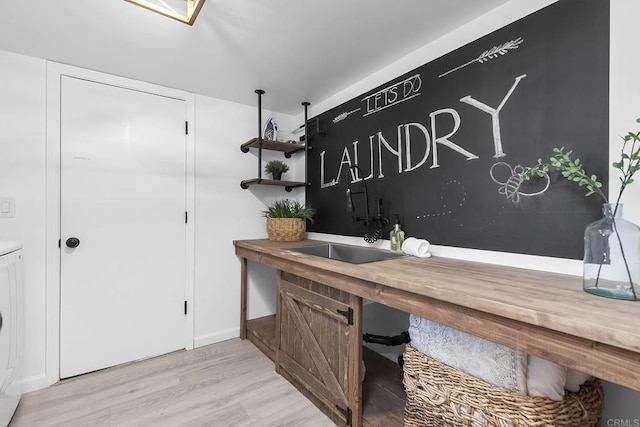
<point x="439" y="396"/>
<point x="286" y="229"/>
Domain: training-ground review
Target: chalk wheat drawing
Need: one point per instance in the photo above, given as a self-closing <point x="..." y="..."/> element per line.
<point x="340" y="117"/>
<point x="487" y="55"/>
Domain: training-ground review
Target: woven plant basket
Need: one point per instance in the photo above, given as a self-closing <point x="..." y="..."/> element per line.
<point x="286" y="229"/>
<point x="440" y="396"/>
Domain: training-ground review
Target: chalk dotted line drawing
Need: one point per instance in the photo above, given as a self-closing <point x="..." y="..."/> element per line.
<point x="487" y="55"/>
<point x="511" y="187"/>
<point x="494" y="220"/>
<point x="446" y="210"/>
<point x="340" y="117"/>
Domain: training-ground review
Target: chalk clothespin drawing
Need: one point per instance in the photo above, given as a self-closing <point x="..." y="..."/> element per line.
<point x="487" y="55"/>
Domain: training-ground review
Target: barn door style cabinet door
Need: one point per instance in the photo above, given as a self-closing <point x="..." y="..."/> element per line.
<point x="319" y="332"/>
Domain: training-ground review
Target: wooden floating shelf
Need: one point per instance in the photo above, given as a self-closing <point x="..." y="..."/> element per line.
<point x="268" y="144"/>
<point x="288" y="148"/>
<point x="288" y="185"/>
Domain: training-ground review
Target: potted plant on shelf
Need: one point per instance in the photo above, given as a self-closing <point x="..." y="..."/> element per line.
<point x="276" y="168"/>
<point x="611" y="266"/>
<point x="287" y="220"/>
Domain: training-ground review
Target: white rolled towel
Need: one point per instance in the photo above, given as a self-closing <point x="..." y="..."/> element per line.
<point x="416" y="247"/>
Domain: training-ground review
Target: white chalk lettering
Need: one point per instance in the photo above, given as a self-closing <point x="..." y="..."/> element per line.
<point x="412" y="85"/>
<point x="495" y="115"/>
<point x="444" y="140"/>
<point x="408" y="145"/>
<point x="356" y="162"/>
<point x="346" y="160"/>
<point x="322" y="183"/>
<point x="397" y="152"/>
<point x="391" y="95"/>
<point x="409" y="135"/>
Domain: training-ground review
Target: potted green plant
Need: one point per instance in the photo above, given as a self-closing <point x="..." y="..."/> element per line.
<point x="276" y="168"/>
<point x="287" y="220"/>
<point x="611" y="265"/>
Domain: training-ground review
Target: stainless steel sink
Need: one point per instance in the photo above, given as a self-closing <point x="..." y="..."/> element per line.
<point x="350" y="254"/>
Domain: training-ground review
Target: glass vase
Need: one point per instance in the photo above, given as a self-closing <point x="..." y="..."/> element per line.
<point x="612" y="256"/>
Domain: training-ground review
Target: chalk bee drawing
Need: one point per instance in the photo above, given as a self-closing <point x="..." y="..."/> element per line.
<point x="511" y="187"/>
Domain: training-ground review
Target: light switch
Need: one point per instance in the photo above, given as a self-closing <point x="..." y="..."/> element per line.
<point x="7" y="207"/>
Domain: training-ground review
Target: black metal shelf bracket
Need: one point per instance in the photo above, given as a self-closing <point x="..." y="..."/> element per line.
<point x="260" y="92"/>
<point x="306" y="142"/>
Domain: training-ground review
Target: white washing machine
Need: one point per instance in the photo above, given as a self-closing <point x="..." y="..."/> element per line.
<point x="11" y="327"/>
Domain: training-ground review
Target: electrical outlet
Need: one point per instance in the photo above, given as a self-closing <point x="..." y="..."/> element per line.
<point x="7" y="207"/>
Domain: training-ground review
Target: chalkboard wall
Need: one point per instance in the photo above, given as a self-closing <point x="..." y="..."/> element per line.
<point x="443" y="145"/>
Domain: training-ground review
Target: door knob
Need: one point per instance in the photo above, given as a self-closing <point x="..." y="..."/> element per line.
<point x="72" y="242"/>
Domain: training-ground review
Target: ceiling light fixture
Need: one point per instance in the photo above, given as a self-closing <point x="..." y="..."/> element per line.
<point x="181" y="10"/>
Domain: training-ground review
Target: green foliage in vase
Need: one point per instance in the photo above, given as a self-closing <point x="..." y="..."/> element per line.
<point x="573" y="169"/>
<point x="286" y="208"/>
<point x="275" y="166"/>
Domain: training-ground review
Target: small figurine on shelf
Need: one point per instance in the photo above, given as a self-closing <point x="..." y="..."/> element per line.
<point x="276" y="168"/>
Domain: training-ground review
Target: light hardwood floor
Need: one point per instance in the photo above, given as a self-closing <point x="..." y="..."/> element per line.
<point x="226" y="384"/>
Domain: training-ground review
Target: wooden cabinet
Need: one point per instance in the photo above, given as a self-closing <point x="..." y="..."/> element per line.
<point x="315" y="341"/>
<point x="319" y="345"/>
<point x="260" y="143"/>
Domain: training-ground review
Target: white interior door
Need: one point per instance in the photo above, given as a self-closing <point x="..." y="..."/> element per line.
<point x="122" y="184"/>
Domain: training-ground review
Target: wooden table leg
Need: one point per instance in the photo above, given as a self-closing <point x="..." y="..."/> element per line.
<point x="354" y="394"/>
<point x="243" y="298"/>
<point x="278" y="312"/>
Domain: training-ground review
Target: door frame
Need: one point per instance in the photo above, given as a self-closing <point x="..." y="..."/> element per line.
<point x="55" y="72"/>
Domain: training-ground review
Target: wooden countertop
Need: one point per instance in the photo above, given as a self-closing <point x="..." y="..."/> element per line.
<point x="546" y="314"/>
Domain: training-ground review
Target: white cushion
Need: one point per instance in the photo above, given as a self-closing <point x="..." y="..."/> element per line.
<point x="545" y="378"/>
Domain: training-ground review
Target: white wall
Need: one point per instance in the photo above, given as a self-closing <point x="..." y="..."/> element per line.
<point x="223" y="211"/>
<point x="22" y="176"/>
<point x="622" y="405"/>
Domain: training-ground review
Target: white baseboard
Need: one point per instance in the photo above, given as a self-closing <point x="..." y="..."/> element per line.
<point x="207" y="339"/>
<point x="33" y="383"/>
